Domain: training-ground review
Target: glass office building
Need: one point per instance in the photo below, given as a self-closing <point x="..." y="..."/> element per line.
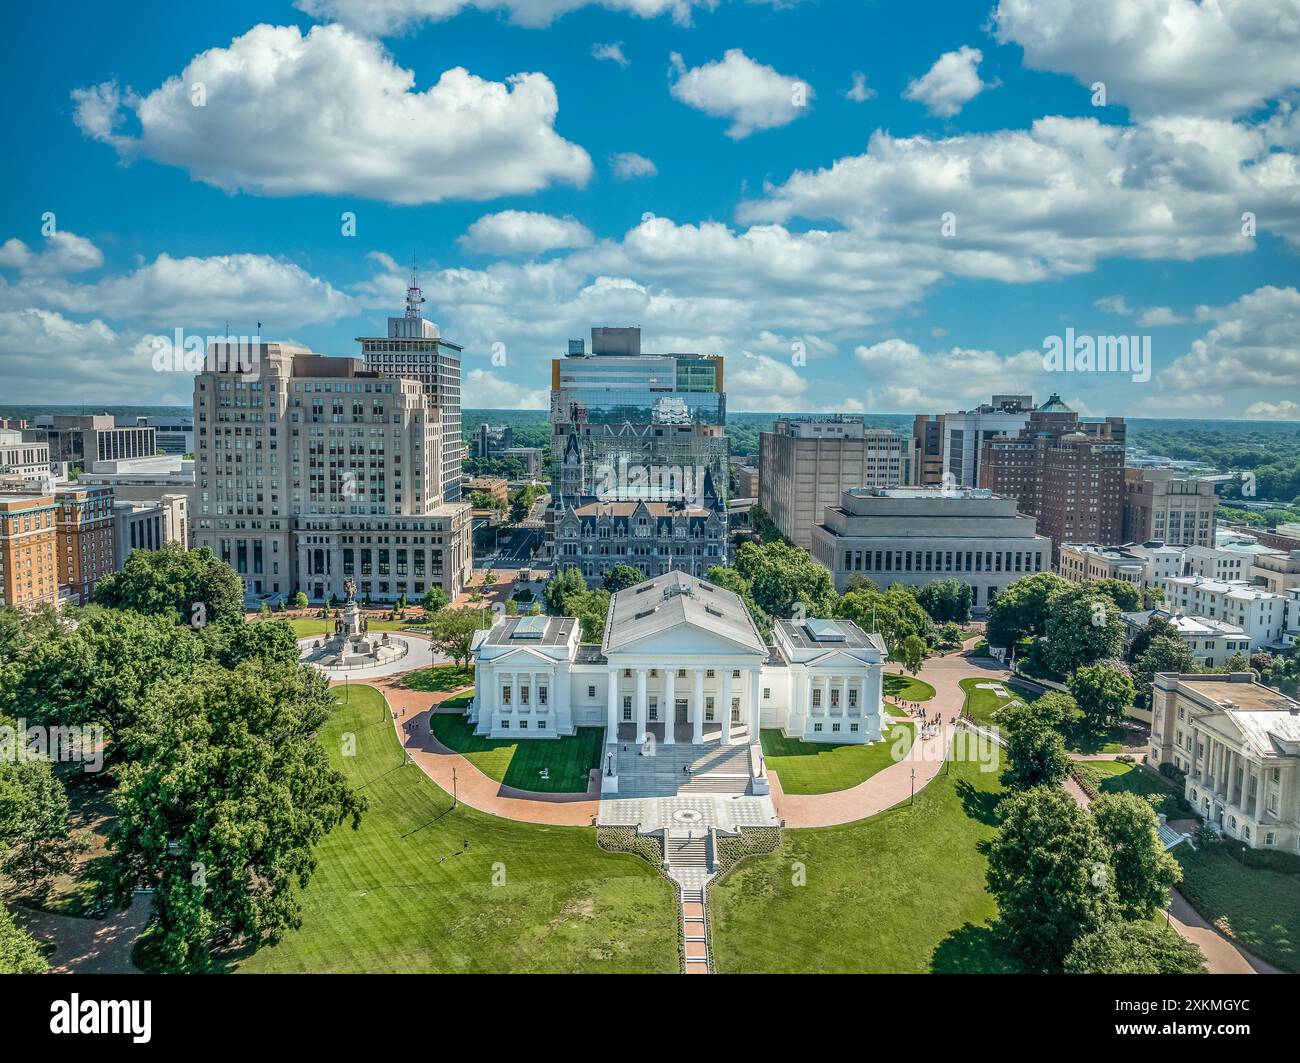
<point x="646" y="409"/>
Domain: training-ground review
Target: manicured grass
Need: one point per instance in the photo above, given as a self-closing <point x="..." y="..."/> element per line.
<point x="519" y="762"/>
<point x="1120" y="777"/>
<point x="900" y="892"/>
<point x="440" y="678"/>
<point x="1258" y="908"/>
<point x="308" y="626"/>
<point x="907" y="687"/>
<point x="402" y="894"/>
<point x="819" y="768"/>
<point x="1080" y="740"/>
<point x="985" y="707"/>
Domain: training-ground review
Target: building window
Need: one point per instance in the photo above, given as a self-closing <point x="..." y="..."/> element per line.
<point x="817" y="727"/>
<point x="591" y="692"/>
<point x="708" y="709"/>
<point x="816" y="698"/>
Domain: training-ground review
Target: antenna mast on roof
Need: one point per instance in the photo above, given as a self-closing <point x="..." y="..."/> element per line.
<point x="414" y="297"/>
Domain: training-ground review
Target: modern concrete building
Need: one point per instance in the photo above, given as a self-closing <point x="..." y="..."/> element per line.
<point x="491" y="440"/>
<point x="1239" y="744"/>
<point x="1177" y="510"/>
<point x="1260" y="613"/>
<point x="1067" y="473"/>
<point x="950" y="447"/>
<point x="81" y="440"/>
<point x="320" y="471"/>
<point x="809" y="462"/>
<point x="165" y="483"/>
<point x="918" y="535"/>
<point x="175" y="435"/>
<point x="1211" y="641"/>
<point x="415" y="350"/>
<point x="24" y="453"/>
<point x="747" y="481"/>
<point x="1278" y="572"/>
<point x="1226" y="561"/>
<point x="29" y="562"/>
<point x="530" y="458"/>
<point x="138" y="526"/>
<point x="681" y="662"/>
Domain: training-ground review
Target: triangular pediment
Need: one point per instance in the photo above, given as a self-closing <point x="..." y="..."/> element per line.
<point x="686" y="638"/>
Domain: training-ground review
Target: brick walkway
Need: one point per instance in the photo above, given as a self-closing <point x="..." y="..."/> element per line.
<point x="470" y="785"/>
<point x="893" y="784"/>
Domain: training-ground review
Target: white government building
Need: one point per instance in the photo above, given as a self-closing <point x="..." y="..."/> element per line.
<point x="681" y="662"/>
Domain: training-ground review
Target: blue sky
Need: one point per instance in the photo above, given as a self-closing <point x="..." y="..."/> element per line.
<point x="198" y="161"/>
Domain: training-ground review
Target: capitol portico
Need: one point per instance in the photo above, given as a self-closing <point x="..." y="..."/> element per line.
<point x="681" y="662"/>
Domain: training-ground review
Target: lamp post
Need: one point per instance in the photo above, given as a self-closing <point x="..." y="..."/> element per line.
<point x="912" y="800"/>
<point x="453" y="787"/>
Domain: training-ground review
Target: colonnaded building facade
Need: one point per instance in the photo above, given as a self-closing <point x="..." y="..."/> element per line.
<point x="681" y="662"/>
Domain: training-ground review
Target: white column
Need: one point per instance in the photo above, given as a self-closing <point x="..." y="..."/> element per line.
<point x="697" y="707"/>
<point x="639" y="705"/>
<point x="613" y="710"/>
<point x="670" y="696"/>
<point x="726" y="706"/>
<point x="755" y="703"/>
<point x="514" y="692"/>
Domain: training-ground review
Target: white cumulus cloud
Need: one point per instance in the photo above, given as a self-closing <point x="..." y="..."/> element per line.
<point x="331" y="113"/>
<point x="628" y="165"/>
<point x="520" y="232"/>
<point x="950" y="84"/>
<point x="752" y="95"/>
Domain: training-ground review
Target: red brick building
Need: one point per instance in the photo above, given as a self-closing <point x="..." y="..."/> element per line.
<point x="1067" y="473"/>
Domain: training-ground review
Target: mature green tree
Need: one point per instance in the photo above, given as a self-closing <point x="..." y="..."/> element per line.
<point x="264" y="610"/>
<point x="1054" y="710"/>
<point x="435" y="599"/>
<point x="20" y="953"/>
<point x="453" y="630"/>
<point x="1143" y="870"/>
<point x="911" y="653"/>
<point x="101" y="673"/>
<point x="1139" y="947"/>
<point x="591" y="609"/>
<point x="231" y="641"/>
<point x="1083" y="627"/>
<point x="1126" y="596"/>
<point x="223" y="806"/>
<point x="564" y="583"/>
<point x="191" y="586"/>
<point x="1164" y="653"/>
<point x="1103" y="694"/>
<point x="1048" y="871"/>
<point x="1237" y="663"/>
<point x="300" y="600"/>
<point x="785" y="580"/>
<point x="620" y="577"/>
<point x="35" y="842"/>
<point x="894" y="613"/>
<point x="1021" y="609"/>
<point x="1157" y="625"/>
<point x="1035" y="756"/>
<point x="947" y="600"/>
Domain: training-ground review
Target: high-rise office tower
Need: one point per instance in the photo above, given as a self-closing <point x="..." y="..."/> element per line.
<point x="316" y="470"/>
<point x="809" y="462"/>
<point x="415" y="350"/>
<point x="950" y="446"/>
<point x="619" y="405"/>
<point x="1066" y="472"/>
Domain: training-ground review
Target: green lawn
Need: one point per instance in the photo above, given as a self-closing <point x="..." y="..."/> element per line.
<point x="907" y="687"/>
<point x="519" y="762"/>
<point x="403" y="894"/>
<point x="440" y="678"/>
<point x="1081" y="740"/>
<point x="900" y="892"/>
<point x="821" y="768"/>
<point x="1116" y="776"/>
<point x="1260" y="909"/>
<point x="985" y="707"/>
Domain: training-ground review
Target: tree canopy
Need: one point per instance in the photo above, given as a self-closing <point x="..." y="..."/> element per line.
<point x="192" y="586"/>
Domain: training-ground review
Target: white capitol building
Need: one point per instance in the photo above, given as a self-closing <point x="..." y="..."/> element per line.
<point x="681" y="663"/>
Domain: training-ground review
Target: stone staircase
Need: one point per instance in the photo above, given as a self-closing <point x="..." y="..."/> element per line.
<point x="715" y="769"/>
<point x="690" y="867"/>
<point x="695" y="931"/>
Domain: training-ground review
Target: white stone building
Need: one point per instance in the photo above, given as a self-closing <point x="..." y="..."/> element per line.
<point x="1212" y="642"/>
<point x="1239" y="743"/>
<point x="1260" y="613"/>
<point x="681" y="662"/>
